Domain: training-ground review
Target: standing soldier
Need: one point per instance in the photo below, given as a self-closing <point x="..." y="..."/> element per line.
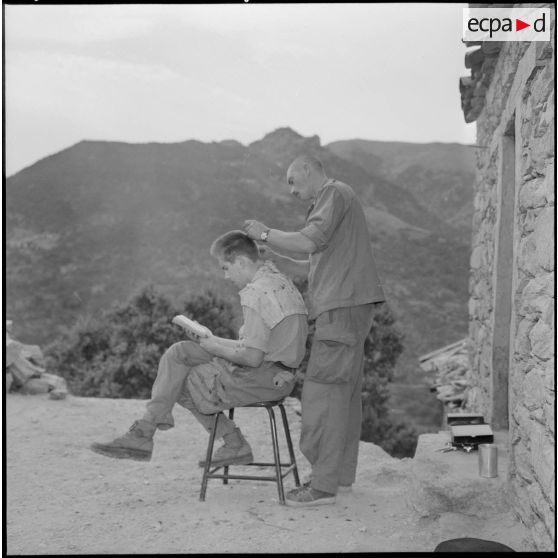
<point x="344" y="294"/>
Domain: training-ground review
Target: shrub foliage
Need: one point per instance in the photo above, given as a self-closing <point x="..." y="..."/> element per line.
<point x="117" y="354"/>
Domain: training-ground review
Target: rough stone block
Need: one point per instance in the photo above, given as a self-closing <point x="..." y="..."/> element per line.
<point x="515" y="437"/>
<point x="549" y="415"/>
<point x="542" y="451"/>
<point x="541" y="337"/>
<point x="482" y="335"/>
<point x="526" y="249"/>
<point x="533" y="389"/>
<point x="472" y="306"/>
<point x="535" y="304"/>
<point x="522" y="340"/>
<point x="522" y="461"/>
<point x="520" y="502"/>
<point x="543" y="540"/>
<point x="548" y="316"/>
<point x="532" y="193"/>
<point x="537" y="414"/>
<point x="521" y="416"/>
<point x="526" y="127"/>
<point x="527" y="221"/>
<point x="515" y="384"/>
<point x="542" y="529"/>
<point x="544" y="239"/>
<point x="450" y="482"/>
<point x="543" y="124"/>
<point x="477" y="257"/>
<point x="540" y="285"/>
<point x="550" y="383"/>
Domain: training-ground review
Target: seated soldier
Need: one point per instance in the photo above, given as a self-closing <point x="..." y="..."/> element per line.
<point x="212" y="374"/>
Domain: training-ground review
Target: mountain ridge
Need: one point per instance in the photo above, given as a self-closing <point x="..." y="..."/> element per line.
<point x="88" y="226"/>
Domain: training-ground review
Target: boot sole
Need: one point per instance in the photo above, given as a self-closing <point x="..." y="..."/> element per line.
<point x="317" y="502"/>
<point x="341" y="489"/>
<point x="240" y="460"/>
<point x="122" y="453"/>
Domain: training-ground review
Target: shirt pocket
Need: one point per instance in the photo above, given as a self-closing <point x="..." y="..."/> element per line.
<point x="333" y="333"/>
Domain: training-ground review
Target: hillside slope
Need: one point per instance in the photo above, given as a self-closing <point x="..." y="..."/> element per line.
<point x="440" y="176"/>
<point x="88" y="226"/>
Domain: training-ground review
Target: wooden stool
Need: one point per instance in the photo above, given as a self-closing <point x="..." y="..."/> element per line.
<point x="280" y="474"/>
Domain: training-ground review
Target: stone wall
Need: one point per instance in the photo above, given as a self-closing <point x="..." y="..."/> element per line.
<point x="516" y="129"/>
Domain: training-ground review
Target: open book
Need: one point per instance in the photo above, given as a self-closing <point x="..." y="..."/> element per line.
<point x="191" y="326"/>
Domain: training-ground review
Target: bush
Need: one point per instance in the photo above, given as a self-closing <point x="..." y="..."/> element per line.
<point x="381" y="351"/>
<point x="118" y="354"/>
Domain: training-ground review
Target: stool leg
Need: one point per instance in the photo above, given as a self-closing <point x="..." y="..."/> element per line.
<point x="226" y="469"/>
<point x="278" y="470"/>
<point x="289" y="444"/>
<point x="208" y="456"/>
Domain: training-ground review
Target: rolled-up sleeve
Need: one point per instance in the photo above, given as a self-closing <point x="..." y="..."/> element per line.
<point x="325" y="217"/>
<point x="254" y="333"/>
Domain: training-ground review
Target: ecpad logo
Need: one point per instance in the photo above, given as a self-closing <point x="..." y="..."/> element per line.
<point x="506" y="24"/>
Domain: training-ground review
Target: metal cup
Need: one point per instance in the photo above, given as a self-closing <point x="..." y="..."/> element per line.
<point x="488" y="460"/>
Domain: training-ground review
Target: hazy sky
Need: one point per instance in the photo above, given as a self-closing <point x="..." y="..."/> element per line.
<point x="169" y="73"/>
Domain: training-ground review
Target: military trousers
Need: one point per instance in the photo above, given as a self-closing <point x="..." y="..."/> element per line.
<point x="331" y="395"/>
<point x="204" y="384"/>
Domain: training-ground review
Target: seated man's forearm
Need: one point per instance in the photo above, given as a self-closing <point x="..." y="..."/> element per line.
<point x="227" y="342"/>
<point x="245" y="356"/>
<point x="233" y="351"/>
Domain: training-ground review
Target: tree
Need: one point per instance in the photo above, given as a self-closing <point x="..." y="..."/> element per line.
<point x="381" y="351"/>
<point x="117" y="355"/>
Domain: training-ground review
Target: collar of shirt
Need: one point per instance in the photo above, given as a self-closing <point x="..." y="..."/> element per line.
<point x="313" y="204"/>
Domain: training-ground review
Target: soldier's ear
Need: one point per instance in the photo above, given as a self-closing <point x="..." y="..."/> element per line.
<point x="242" y="260"/>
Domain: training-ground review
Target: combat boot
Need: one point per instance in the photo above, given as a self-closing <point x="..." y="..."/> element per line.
<point x="235" y="451"/>
<point x="136" y="444"/>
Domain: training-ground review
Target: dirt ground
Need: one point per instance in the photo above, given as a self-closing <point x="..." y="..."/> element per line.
<point x="64" y="499"/>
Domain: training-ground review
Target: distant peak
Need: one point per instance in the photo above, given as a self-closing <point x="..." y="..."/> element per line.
<point x="282" y="133"/>
<point x="230" y="143"/>
<point x="287" y="137"/>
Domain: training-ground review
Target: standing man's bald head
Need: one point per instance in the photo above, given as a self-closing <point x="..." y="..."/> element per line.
<point x="308" y="161"/>
<point x="306" y="176"/>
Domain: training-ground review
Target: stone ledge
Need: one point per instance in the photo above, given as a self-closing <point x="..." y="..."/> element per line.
<point x="450" y="482"/>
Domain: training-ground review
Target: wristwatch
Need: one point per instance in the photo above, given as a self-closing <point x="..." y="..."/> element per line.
<point x="264" y="235"/>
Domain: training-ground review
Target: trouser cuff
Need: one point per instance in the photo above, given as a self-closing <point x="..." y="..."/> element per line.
<point x="324" y="487"/>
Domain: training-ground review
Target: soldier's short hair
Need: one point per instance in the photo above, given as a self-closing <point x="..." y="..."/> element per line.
<point x="232" y="244"/>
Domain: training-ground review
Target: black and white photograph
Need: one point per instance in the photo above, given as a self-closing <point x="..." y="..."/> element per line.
<point x="279" y="278"/>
